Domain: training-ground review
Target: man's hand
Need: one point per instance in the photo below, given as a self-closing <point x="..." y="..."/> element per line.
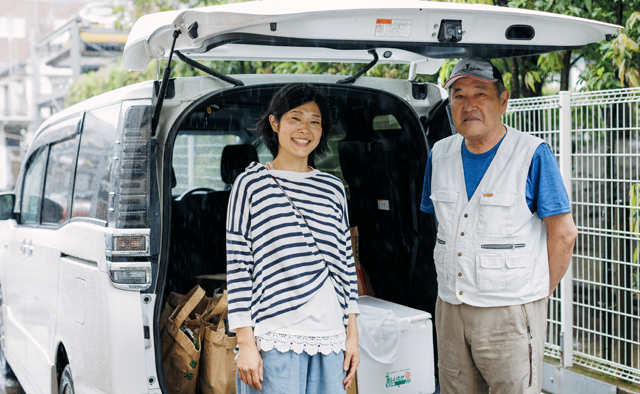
<point x="561" y="237"/>
<point x="352" y="351"/>
<point x="249" y="360"/>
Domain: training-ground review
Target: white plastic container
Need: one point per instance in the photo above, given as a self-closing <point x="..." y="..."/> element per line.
<point x="413" y="371"/>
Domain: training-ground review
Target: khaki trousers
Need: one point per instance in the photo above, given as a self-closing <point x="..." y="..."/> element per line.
<point x="498" y="347"/>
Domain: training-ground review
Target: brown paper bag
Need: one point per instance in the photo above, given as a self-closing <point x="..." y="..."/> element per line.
<point x="364" y="284"/>
<point x="170" y="305"/>
<point x="217" y="363"/>
<point x="354" y="387"/>
<point x="180" y="355"/>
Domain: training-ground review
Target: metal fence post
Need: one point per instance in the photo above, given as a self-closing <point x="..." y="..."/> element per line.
<point x="566" y="285"/>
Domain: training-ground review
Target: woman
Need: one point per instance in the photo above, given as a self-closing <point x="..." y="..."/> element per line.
<point x="290" y="271"/>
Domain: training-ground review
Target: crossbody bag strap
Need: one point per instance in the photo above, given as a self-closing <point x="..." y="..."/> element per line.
<point x="301" y="215"/>
<point x="291" y="201"/>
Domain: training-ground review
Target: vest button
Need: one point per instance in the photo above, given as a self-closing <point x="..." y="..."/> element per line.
<point x="459" y="254"/>
<point x="466" y="216"/>
<point x="462" y="234"/>
<point x="459" y="273"/>
<point x="460" y="293"/>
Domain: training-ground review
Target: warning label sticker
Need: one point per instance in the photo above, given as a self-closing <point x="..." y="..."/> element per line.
<point x="393" y="28"/>
<point x="383" y="205"/>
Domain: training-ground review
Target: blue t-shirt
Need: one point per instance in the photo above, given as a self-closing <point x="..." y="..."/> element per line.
<point x="545" y="194"/>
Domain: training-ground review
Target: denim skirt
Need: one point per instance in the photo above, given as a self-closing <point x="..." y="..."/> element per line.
<point x="292" y="373"/>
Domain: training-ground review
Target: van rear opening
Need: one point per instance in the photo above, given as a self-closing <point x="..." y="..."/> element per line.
<point x="378" y="149"/>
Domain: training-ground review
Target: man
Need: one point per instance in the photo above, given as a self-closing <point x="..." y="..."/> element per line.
<point x="505" y="238"/>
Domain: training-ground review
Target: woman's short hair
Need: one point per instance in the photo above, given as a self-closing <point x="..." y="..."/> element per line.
<point x="287" y="98"/>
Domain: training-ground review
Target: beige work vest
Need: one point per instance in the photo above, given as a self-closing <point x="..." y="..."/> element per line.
<point x="490" y="250"/>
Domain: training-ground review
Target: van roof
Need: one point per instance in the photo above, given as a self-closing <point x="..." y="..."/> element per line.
<point x="136" y="91"/>
<point x="409" y="31"/>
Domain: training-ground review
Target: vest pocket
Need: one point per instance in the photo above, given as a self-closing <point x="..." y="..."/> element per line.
<point x="506" y="271"/>
<point x="438" y="259"/>
<point x="496" y="213"/>
<point x="502" y="246"/>
<point x="445" y="204"/>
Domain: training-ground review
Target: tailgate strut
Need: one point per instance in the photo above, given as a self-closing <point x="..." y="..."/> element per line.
<point x="210" y="71"/>
<point x="163" y="86"/>
<point x="366" y="68"/>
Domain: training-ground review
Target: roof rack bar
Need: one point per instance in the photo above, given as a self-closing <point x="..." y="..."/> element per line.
<point x="366" y="68"/>
<point x="163" y="86"/>
<point x="210" y="71"/>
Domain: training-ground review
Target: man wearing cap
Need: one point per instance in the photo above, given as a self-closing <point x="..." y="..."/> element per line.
<point x="505" y="239"/>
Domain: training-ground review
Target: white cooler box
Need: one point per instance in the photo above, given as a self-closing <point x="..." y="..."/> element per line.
<point x="413" y="371"/>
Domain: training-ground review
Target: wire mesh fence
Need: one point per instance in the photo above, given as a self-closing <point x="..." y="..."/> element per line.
<point x="605" y="197"/>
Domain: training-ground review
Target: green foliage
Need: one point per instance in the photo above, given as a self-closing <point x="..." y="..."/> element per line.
<point x="609" y="65"/>
<point x="115" y="75"/>
<point x="105" y="79"/>
<point x="618" y="65"/>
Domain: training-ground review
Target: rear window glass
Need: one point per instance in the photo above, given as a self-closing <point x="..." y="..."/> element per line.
<point x="95" y="159"/>
<point x="386" y="122"/>
<point x="57" y="185"/>
<point x="331" y="162"/>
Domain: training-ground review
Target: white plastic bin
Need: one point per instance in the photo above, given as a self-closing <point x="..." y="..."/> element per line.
<point x="413" y="371"/>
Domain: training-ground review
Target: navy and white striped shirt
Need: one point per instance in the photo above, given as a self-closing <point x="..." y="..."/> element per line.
<point x="274" y="268"/>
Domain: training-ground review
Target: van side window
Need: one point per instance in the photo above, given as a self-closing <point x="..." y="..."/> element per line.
<point x="95" y="158"/>
<point x="32" y="187"/>
<point x="57" y="184"/>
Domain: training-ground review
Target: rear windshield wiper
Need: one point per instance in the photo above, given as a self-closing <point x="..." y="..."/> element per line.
<point x="210" y="71"/>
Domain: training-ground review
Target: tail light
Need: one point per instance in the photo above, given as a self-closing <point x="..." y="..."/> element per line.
<point x="129" y="203"/>
<point x="130" y="276"/>
<point x="127" y="245"/>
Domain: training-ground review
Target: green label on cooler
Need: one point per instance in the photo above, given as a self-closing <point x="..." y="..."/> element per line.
<point x="398" y="378"/>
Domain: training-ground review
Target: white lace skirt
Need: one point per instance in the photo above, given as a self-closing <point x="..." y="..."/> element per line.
<point x="301" y="343"/>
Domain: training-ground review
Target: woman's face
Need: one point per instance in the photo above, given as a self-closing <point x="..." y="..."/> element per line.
<point x="299" y="130"/>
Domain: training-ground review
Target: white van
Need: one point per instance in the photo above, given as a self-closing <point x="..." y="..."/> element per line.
<point x="122" y="198"/>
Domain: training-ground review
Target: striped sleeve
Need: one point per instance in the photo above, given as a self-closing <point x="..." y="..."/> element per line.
<point x="352" y="299"/>
<point x="239" y="255"/>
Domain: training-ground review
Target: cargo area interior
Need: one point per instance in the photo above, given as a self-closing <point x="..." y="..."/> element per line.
<point x="378" y="150"/>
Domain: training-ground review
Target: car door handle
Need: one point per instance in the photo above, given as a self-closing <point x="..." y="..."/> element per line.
<point x="26" y="249"/>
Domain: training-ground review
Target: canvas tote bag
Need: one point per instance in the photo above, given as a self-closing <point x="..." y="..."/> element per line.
<point x="217" y="363"/>
<point x="180" y="354"/>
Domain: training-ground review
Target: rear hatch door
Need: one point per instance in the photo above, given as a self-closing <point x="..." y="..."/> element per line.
<point x="403" y="31"/>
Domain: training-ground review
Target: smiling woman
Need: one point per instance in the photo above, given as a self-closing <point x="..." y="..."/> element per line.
<point x="291" y="274"/>
<point x="299" y="132"/>
<point x="298" y="111"/>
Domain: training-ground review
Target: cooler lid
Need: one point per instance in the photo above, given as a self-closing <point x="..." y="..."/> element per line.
<point x="406" y="314"/>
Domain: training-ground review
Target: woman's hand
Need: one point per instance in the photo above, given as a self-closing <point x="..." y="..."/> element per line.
<point x="352" y="351"/>
<point x="249" y="360"/>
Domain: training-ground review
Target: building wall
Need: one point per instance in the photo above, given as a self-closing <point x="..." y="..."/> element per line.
<point x="22" y="23"/>
<point x="22" y="19"/>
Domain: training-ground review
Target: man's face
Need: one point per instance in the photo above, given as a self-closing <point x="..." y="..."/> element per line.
<point x="476" y="108"/>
